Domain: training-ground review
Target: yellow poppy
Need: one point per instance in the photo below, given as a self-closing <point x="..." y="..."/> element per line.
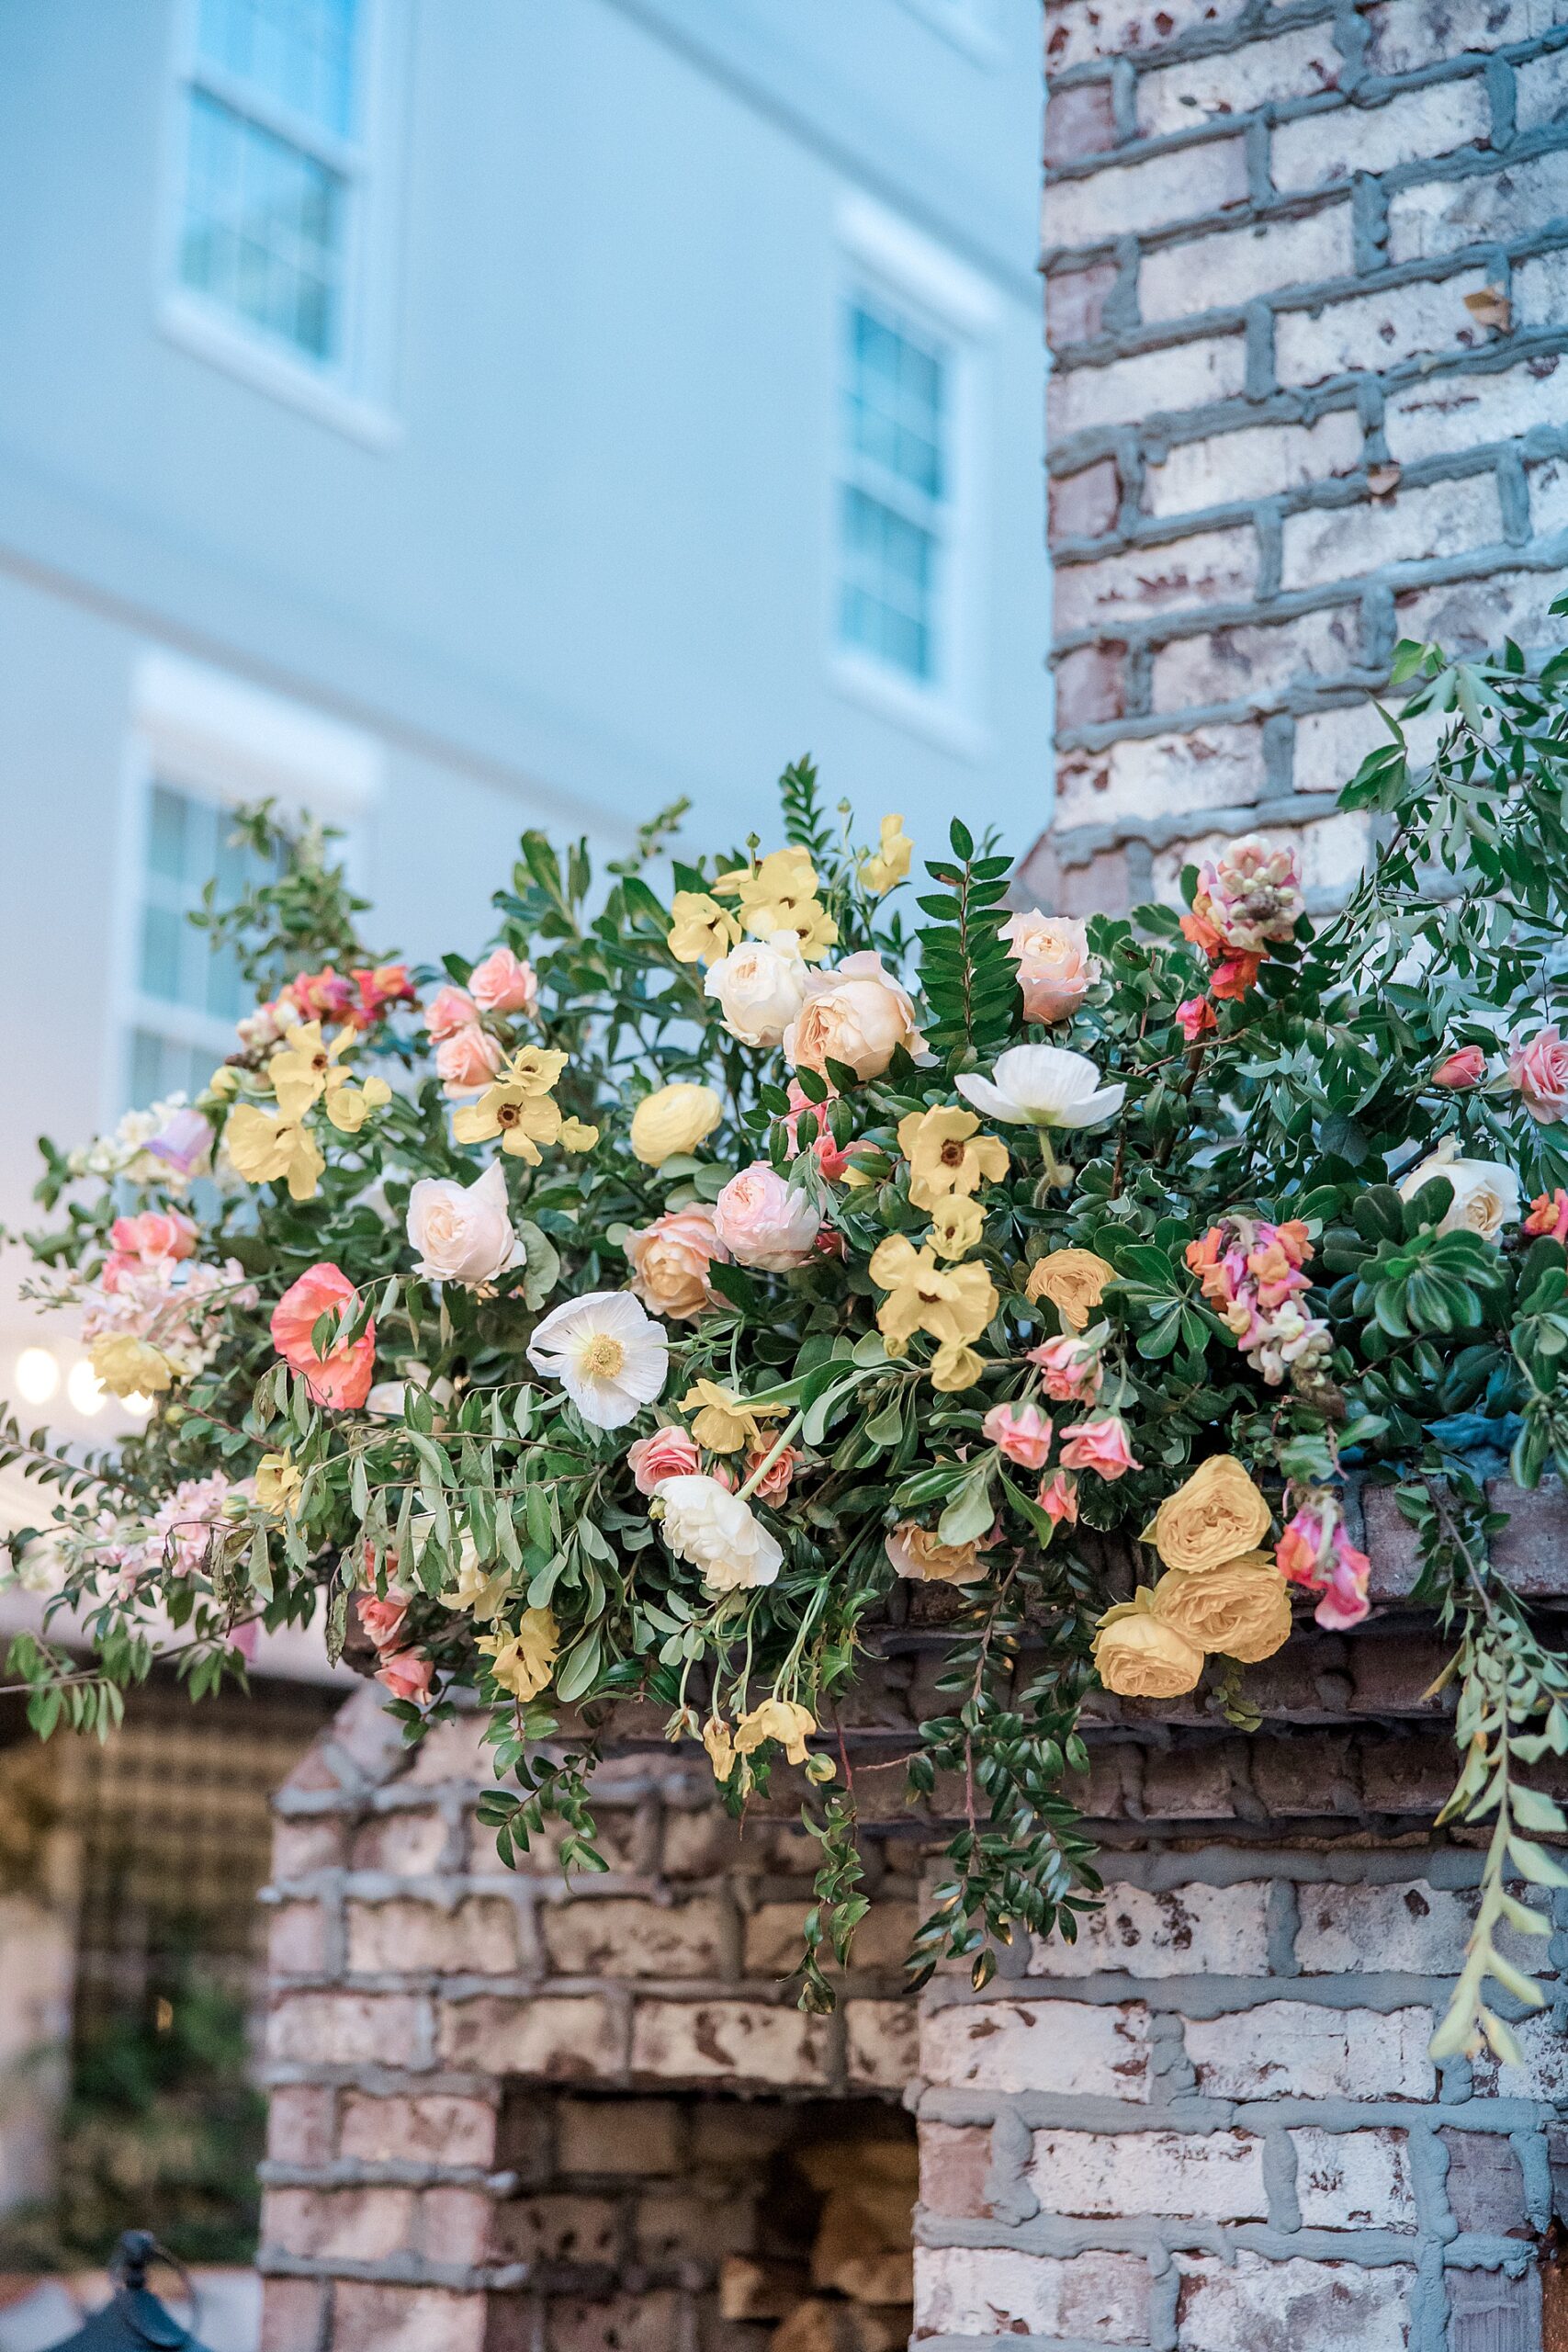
<point x="523" y="1662"/>
<point x="278" y="1483"/>
<point x="956" y="1226"/>
<point x="720" y="1748"/>
<point x="576" y="1135"/>
<point x="263" y="1149"/>
<point x="523" y="1118"/>
<point x="953" y="1303"/>
<point x="778" y="1719"/>
<point x="947" y="1153"/>
<point x="535" y="1069"/>
<point x="700" y="931"/>
<point x="128" y="1366"/>
<point x="890" y="862"/>
<point x="780" y="894"/>
<point x="724" y="1423"/>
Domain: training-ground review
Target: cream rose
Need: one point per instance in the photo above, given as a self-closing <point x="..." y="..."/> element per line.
<point x="463" y="1232"/>
<point x="759" y="988"/>
<point x="1241" y="1609"/>
<point x="764" y="1222"/>
<point x="671" y="1119"/>
<point x="669" y="1261"/>
<point x="1139" y="1656"/>
<point x="718" y="1532"/>
<point x="857" y="1013"/>
<point x="1056" y="969"/>
<point x="1216" y="1516"/>
<point x="1486" y="1192"/>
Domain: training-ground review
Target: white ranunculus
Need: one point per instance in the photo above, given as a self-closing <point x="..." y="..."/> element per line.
<point x="760" y="987"/>
<point x="1486" y="1192"/>
<point x="463" y="1232"/>
<point x="1043" y="1086"/>
<point x="609" y="1357"/>
<point x="718" y="1534"/>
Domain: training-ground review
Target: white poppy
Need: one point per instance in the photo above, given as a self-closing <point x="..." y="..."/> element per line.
<point x="609" y="1357"/>
<point x="1043" y="1086"/>
<point x="718" y="1532"/>
<point x="1486" y="1192"/>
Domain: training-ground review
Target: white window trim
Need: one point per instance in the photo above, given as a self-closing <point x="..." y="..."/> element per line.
<point x="882" y="256"/>
<point x="352" y="394"/>
<point x="223" y="740"/>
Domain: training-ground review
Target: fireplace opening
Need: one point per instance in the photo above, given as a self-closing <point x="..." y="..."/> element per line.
<point x="653" y="2224"/>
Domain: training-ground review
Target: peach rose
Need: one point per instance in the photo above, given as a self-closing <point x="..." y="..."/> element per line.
<point x="1138" y="1656"/>
<point x="1074" y="1281"/>
<point x="450" y="1010"/>
<point x="1540" y="1073"/>
<point x="468" y="1060"/>
<point x="780" y="1473"/>
<point x="503" y="983"/>
<point x="916" y="1553"/>
<point x="1459" y="1070"/>
<point x="765" y="1222"/>
<point x="1098" y="1445"/>
<point x="342" y="1380"/>
<point x="1215" y="1516"/>
<point x="668" y="1453"/>
<point x="406" y="1674"/>
<point x="1241" y="1609"/>
<point x="1056" y="969"/>
<point x="383" y="1620"/>
<point x="1022" y="1433"/>
<point x="669" y="1261"/>
<point x="857" y="1013"/>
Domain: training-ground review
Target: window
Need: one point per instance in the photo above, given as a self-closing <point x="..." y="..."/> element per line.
<point x="894" y="493"/>
<point x="187" y="998"/>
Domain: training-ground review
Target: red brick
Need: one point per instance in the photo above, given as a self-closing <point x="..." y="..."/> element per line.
<point x="647" y="2323"/>
<point x="454" y="2224"/>
<point x="954" y="2162"/>
<point x="478" y="1938"/>
<point x="296" y="1940"/>
<point x="1079" y="120"/>
<point x="437" y="2129"/>
<point x="1075" y="303"/>
<point x="300" y="2124"/>
<point x="347" y="2029"/>
<point x="344" y="2224"/>
<point x="1085" y="506"/>
<point x="1101" y="886"/>
<point x="552" y="2038"/>
<point x="1091" y="686"/>
<point x="367" y="2318"/>
<point x="301" y="1847"/>
<point x="294" y="2315"/>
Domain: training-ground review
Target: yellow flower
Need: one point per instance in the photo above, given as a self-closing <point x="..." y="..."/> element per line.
<point x="956" y="1226"/>
<point x="1242" y="1609"/>
<point x="724" y="1421"/>
<point x="1216" y="1517"/>
<point x="778" y="1719"/>
<point x="955" y="1366"/>
<point x="1074" y="1281"/>
<point x="523" y="1662"/>
<point x="278" y="1484"/>
<point x="305" y="1068"/>
<point x="919" y="1553"/>
<point x="224" y="1081"/>
<point x="952" y="1303"/>
<point x="673" y="1119"/>
<point x="780" y="895"/>
<point x="701" y="932"/>
<point x="128" y="1366"/>
<point x="517" y="1112"/>
<point x="535" y="1069"/>
<point x="890" y="862"/>
<point x="1138" y="1656"/>
<point x="720" y="1748"/>
<point x="263" y="1149"/>
<point x="576" y="1135"/>
<point x="944" y="1154"/>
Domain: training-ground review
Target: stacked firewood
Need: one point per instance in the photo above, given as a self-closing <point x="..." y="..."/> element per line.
<point x="856" y="2292"/>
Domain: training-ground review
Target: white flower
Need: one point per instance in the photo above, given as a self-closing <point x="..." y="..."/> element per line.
<point x="759" y="988"/>
<point x="1486" y="1192"/>
<point x="762" y="1220"/>
<point x="463" y="1232"/>
<point x="609" y="1357"/>
<point x="1043" y="1086"/>
<point x="718" y="1532"/>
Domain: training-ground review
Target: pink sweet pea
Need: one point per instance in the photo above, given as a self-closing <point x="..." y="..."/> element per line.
<point x="406" y="1674"/>
<point x="1099" y="1445"/>
<point x="1458" y="1070"/>
<point x="1196" y="1015"/>
<point x="1059" y="1499"/>
<point x="340" y="1381"/>
<point x="1540" y="1071"/>
<point x="668" y="1453"/>
<point x="449" y="1010"/>
<point x="1020" y="1431"/>
<point x="503" y="983"/>
<point x="183" y="1142"/>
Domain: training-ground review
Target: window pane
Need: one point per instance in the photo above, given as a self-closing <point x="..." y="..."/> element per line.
<point x="190" y="843"/>
<point x="163" y="1066"/>
<point x="264" y="228"/>
<point x="893" y="396"/>
<point x="888" y="584"/>
<point x="297" y="52"/>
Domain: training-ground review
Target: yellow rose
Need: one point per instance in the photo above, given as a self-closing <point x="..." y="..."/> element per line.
<point x="1216" y="1517"/>
<point x="1242" y="1609"/>
<point x="917" y="1553"/>
<point x="671" y="1119"/>
<point x="1074" y="1281"/>
<point x="1138" y="1656"/>
<point x="128" y="1366"/>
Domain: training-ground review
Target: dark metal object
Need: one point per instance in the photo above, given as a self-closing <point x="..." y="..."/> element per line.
<point x="136" y="2321"/>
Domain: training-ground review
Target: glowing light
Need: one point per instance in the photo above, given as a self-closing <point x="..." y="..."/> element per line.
<point x="85" y="1390"/>
<point x="38" y="1375"/>
<point x="136" y="1404"/>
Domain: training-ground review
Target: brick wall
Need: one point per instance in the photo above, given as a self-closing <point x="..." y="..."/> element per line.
<point x="1307" y="298"/>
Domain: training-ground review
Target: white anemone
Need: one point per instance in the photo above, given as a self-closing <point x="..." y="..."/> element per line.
<point x="609" y="1356"/>
<point x="1043" y="1086"/>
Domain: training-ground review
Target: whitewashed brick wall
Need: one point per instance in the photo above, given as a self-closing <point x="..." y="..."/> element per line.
<point x="1280" y="437"/>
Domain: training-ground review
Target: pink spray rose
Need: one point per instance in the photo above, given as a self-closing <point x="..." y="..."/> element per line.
<point x="1458" y="1070"/>
<point x="1098" y="1445"/>
<point x="780" y="1471"/>
<point x="765" y="1222"/>
<point x="1059" y="1499"/>
<point x="383" y="1620"/>
<point x="1540" y="1071"/>
<point x="1072" y="1372"/>
<point x="503" y="983"/>
<point x="340" y="1381"/>
<point x="466" y="1059"/>
<point x="406" y="1674"/>
<point x="1022" y="1433"/>
<point x="450" y="1010"/>
<point x="1196" y="1017"/>
<point x="1056" y="969"/>
<point x="808" y="1123"/>
<point x="668" y="1453"/>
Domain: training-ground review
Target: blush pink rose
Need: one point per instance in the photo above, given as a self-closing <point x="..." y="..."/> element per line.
<point x="1072" y="1372"/>
<point x="668" y="1453"/>
<point x="156" y="1233"/>
<point x="829" y="1158"/>
<point x="1059" y="1499"/>
<point x="466" y="1059"/>
<point x="1056" y="969"/>
<point x="1466" y="1068"/>
<point x="1540" y="1071"/>
<point x="406" y="1674"/>
<point x="450" y="1010"/>
<point x="764" y="1222"/>
<point x="1022" y="1433"/>
<point x="340" y="1381"/>
<point x="383" y="1620"/>
<point x="1098" y="1445"/>
<point x="503" y="983"/>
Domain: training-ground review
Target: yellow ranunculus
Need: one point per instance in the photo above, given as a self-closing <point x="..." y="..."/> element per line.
<point x="1138" y="1656"/>
<point x="576" y="1135"/>
<point x="1216" y="1516"/>
<point x="1074" y="1281"/>
<point x="263" y="1149"/>
<point x="278" y="1483"/>
<point x="724" y="1421"/>
<point x="523" y="1662"/>
<point x="673" y="1119"/>
<point x="953" y="1303"/>
<point x="700" y="931"/>
<point x="1242" y="1609"/>
<point x="947" y="1153"/>
<point x="957" y="1226"/>
<point x="128" y="1366"/>
<point x="720" y="1748"/>
<point x="778" y="1719"/>
<point x="522" y="1115"/>
<point x="889" y="862"/>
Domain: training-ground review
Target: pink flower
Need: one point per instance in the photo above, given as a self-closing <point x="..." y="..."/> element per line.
<point x="1056" y="969"/>
<point x="1059" y="1499"/>
<point x="383" y="1620"/>
<point x="1315" y="1550"/>
<point x="829" y="1158"/>
<point x="1540" y="1071"/>
<point x="340" y="1381"/>
<point x="668" y="1453"/>
<point x="669" y="1262"/>
<point x="1196" y="1017"/>
<point x="1345" y="1602"/>
<point x="1233" y="976"/>
<point x="1098" y="1445"/>
<point x="406" y="1674"/>
<point x="503" y="983"/>
<point x="156" y="1233"/>
<point x="450" y="1010"/>
<point x="1465" y="1067"/>
<point x="1022" y="1433"/>
<point x="1072" y="1373"/>
<point x="1549" y="1213"/>
<point x="777" y="1481"/>
<point x="244" y="1637"/>
<point x="183" y="1142"/>
<point x="764" y="1221"/>
<point x="466" y="1059"/>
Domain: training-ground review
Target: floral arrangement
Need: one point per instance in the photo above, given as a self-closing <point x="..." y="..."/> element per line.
<point x="633" y="1309"/>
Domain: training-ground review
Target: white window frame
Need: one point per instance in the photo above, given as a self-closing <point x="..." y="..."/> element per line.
<point x="354" y="391"/>
<point x="217" y="739"/>
<point x="882" y="259"/>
